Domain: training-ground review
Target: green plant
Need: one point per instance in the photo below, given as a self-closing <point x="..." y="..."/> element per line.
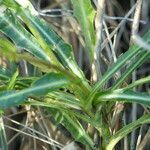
<point x="63" y="89"/>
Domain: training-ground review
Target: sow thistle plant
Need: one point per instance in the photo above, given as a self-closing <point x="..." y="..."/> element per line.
<point x="61" y="87"/>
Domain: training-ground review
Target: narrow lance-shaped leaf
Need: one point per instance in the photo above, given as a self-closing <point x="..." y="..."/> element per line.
<point x="133" y="50"/>
<point x="16" y="5"/>
<point x="64" y="97"/>
<point x="126" y="130"/>
<point x="138" y="82"/>
<point x="123" y="95"/>
<point x="19" y="35"/>
<point x="62" y="49"/>
<point x="47" y="83"/>
<point x="84" y="12"/>
<point x="71" y="123"/>
<point x="4" y="74"/>
<point x="13" y="80"/>
<point x="77" y="131"/>
<point x="143" y="57"/>
<point x="7" y="46"/>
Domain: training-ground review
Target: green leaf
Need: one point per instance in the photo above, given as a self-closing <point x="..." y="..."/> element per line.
<point x="138" y="82"/>
<point x="62" y="49"/>
<point x="15" y="4"/>
<point x="47" y="83"/>
<point x="84" y="12"/>
<point x="134" y="65"/>
<point x="123" y="95"/>
<point x="59" y="47"/>
<point x="7" y="73"/>
<point x="13" y="80"/>
<point x="10" y="25"/>
<point x="132" y="52"/>
<point x="8" y="3"/>
<point x="71" y="123"/>
<point x="126" y="130"/>
<point x="4" y="74"/>
<point x="74" y="127"/>
<point x="7" y="46"/>
<point x="64" y="98"/>
<point x="55" y="42"/>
